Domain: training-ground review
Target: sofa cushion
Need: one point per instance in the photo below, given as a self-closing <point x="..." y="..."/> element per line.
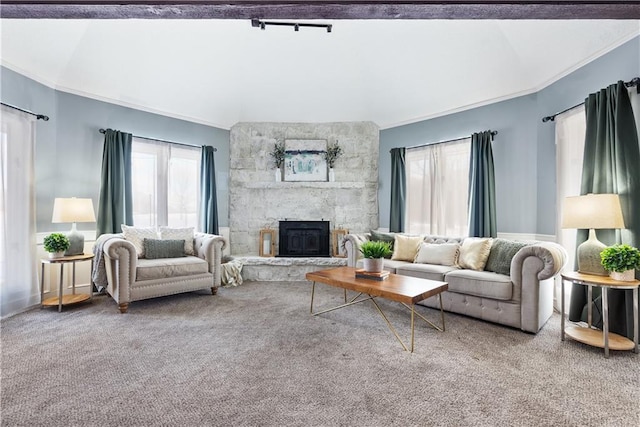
<point x="405" y="248"/>
<point x="155" y="248"/>
<point x="480" y="283"/>
<point x="162" y="268"/>
<point x="425" y="271"/>
<point x="440" y="254"/>
<point x="186" y="234"/>
<point x="474" y="252"/>
<point x="502" y="252"/>
<point x="136" y="235"/>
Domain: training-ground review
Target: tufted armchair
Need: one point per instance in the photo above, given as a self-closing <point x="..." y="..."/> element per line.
<point x="130" y="278"/>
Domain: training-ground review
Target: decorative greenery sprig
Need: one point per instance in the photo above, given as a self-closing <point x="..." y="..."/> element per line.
<point x="620" y="258"/>
<point x="375" y="249"/>
<point x="333" y="152"/>
<point x="278" y="154"/>
<point x="56" y="242"/>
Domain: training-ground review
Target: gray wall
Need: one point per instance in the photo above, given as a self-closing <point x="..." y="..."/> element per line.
<point x="69" y="146"/>
<point x="524" y="149"/>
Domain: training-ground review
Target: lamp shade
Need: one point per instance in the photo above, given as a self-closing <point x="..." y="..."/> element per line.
<point x="72" y="210"/>
<point x="592" y="211"/>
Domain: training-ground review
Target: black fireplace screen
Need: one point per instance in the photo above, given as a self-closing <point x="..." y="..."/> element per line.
<point x="304" y="238"/>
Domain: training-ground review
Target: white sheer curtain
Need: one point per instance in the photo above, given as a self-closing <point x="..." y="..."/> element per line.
<point x="438" y="188"/>
<point x="570" y="133"/>
<point x="18" y="269"/>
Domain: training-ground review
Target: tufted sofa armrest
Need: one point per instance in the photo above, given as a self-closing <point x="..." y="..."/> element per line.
<point x="351" y="245"/>
<point x="551" y="255"/>
<point x="121" y="261"/>
<point x="531" y="266"/>
<point x="209" y="247"/>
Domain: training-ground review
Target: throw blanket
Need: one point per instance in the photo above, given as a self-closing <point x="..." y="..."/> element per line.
<point x="99" y="273"/>
<point x="231" y="273"/>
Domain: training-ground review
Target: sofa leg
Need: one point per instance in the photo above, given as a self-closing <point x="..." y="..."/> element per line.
<point x="214" y="290"/>
<point x="123" y="307"/>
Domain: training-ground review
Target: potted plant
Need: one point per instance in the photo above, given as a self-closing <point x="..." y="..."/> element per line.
<point x="56" y="244"/>
<point x="621" y="261"/>
<point x="374" y="253"/>
<point x="278" y="158"/>
<point x="331" y="155"/>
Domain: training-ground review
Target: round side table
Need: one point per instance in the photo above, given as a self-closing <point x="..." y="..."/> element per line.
<point x="62" y="299"/>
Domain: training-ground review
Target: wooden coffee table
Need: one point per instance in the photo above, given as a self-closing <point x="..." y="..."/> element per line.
<point x="403" y="289"/>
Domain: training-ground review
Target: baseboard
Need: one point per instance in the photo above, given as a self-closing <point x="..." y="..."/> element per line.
<point x="528" y="237"/>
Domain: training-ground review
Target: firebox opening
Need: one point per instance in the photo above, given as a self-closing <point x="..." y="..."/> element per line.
<point x="304" y="239"/>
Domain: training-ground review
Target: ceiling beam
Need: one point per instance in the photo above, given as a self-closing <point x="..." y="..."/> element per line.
<point x="318" y="9"/>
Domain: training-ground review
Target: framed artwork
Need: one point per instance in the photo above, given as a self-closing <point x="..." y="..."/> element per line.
<point x="337" y="236"/>
<point x="304" y="160"/>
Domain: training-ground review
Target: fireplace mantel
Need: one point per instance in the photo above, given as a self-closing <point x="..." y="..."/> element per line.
<point x="310" y="184"/>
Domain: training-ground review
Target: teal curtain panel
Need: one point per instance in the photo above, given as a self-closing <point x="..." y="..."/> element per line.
<point x="398" y="190"/>
<point x="482" y="187"/>
<point x="611" y="165"/>
<point x="116" y="203"/>
<point x="208" y="197"/>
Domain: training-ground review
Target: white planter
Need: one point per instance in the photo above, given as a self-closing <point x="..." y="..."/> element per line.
<point x="332" y="176"/>
<point x="278" y="175"/>
<point x="56" y="254"/>
<point x="625" y="276"/>
<point x="373" y="265"/>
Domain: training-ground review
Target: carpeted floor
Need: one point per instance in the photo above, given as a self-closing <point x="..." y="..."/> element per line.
<point x="253" y="355"/>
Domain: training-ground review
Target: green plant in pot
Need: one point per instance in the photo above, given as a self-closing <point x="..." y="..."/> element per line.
<point x="56" y="244"/>
<point x="621" y="261"/>
<point x="277" y="154"/>
<point x="374" y="253"/>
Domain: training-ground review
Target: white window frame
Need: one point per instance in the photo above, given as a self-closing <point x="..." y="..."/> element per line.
<point x="163" y="154"/>
<point x="438" y="192"/>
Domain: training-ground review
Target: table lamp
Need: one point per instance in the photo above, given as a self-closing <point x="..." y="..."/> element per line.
<point x="73" y="210"/>
<point x="592" y="211"/>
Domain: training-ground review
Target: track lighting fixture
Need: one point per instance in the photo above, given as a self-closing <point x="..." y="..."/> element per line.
<point x="296" y="25"/>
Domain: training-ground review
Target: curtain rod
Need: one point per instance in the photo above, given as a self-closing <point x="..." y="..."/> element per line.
<point x="493" y="133"/>
<point x="38" y="116"/>
<point x="633" y="82"/>
<point x="163" y="140"/>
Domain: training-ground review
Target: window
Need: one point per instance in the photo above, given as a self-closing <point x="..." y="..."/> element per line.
<point x="438" y="188"/>
<point x="165" y="180"/>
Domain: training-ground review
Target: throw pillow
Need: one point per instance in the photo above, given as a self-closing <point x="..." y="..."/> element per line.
<point x="154" y="248"/>
<point x="405" y="248"/>
<point x="441" y="254"/>
<point x="136" y="235"/>
<point x="379" y="236"/>
<point x="186" y="234"/>
<point x="502" y="252"/>
<point x="474" y="252"/>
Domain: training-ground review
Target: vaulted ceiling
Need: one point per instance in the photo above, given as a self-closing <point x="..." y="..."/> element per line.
<point x="220" y="72"/>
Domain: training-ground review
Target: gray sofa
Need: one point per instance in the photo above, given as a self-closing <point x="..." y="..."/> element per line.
<point x="523" y="299"/>
<point x="129" y="278"/>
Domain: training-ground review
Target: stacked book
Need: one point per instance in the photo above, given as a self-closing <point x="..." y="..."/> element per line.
<point x="362" y="274"/>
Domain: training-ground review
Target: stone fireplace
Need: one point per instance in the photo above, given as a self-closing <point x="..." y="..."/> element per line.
<point x="257" y="200"/>
<point x="303" y="239"/>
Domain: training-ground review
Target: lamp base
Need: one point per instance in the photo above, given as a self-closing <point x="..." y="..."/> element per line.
<point x="589" y="261"/>
<point x="76" y="242"/>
